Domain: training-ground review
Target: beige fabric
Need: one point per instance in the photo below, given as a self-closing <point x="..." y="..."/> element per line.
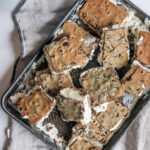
<point x="37" y="18"/>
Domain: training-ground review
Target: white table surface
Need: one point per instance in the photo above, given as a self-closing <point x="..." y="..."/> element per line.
<point x="10" y="47"/>
<point x="9" y="51"/>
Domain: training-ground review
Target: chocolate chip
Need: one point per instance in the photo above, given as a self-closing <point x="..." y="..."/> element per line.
<point x="138" y="89"/>
<point x="73" y="63"/>
<point x="52" y="56"/>
<point x="65" y="44"/>
<point x="60" y="50"/>
<point x="141" y="71"/>
<point x="129" y="78"/>
<point x="114" y="80"/>
<point x="117" y="115"/>
<point x="88" y="55"/>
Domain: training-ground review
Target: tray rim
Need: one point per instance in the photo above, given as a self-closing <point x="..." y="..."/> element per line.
<point x="37" y="53"/>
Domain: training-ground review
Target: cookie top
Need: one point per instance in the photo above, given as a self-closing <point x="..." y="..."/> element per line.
<point x="136" y="80"/>
<point x="143" y="50"/>
<point x="115" y="51"/>
<point x="74" y="50"/>
<point x="72" y="29"/>
<point x="52" y="83"/>
<point x="113" y="116"/>
<point x="102" y="84"/>
<point x="66" y="54"/>
<point x="101" y="13"/>
<point x="35" y="105"/>
<point x="73" y="105"/>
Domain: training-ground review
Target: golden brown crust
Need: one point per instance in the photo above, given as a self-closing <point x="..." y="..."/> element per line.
<point x="72" y="29"/>
<point x="102" y="84"/>
<point x="136" y="80"/>
<point x="115" y="50"/>
<point x="114" y="113"/>
<point x="101" y="13"/>
<point x="75" y="49"/>
<point x="143" y="50"/>
<point x="35" y="105"/>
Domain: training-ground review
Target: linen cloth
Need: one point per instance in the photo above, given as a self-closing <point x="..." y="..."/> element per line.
<point x="36" y="19"/>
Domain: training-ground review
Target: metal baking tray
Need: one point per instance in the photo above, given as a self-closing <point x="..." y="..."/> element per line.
<point x="14" y="114"/>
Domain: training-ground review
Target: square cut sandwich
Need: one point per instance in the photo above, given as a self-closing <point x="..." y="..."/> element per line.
<point x="73" y="105"/>
<point x="136" y="79"/>
<point x="101" y="13"/>
<point x="38" y="109"/>
<point x="115" y="51"/>
<point x="85" y="137"/>
<point x="110" y="115"/>
<point x="143" y="50"/>
<point x="101" y="84"/>
<point x="35" y="106"/>
<point x="52" y="83"/>
<point x="73" y="50"/>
